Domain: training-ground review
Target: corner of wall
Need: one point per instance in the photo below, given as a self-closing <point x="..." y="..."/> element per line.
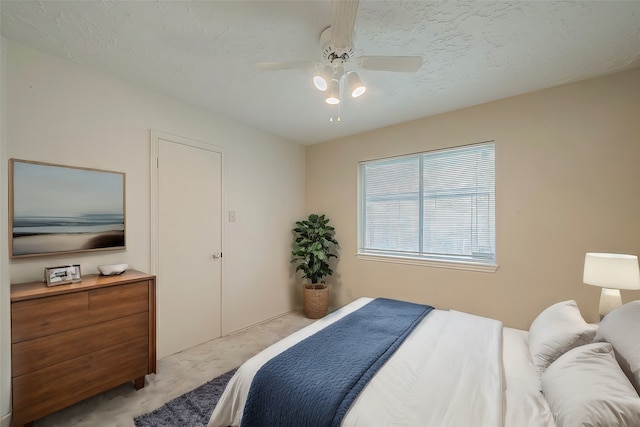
<point x="5" y="421"/>
<point x="5" y="331"/>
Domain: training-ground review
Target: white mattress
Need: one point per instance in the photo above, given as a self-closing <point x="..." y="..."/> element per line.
<point x="448" y="372"/>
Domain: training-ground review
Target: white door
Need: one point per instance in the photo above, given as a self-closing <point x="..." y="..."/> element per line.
<point x="189" y="267"/>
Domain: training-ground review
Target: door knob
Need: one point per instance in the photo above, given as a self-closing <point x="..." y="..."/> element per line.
<point x="217" y="255"/>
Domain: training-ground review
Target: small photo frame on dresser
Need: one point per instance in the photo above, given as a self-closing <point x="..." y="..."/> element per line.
<point x="62" y="275"/>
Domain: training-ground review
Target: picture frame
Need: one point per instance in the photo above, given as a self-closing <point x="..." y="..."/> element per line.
<point x="58" y="209"/>
<point x="62" y="275"/>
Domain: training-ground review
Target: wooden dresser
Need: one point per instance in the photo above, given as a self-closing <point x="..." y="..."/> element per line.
<point x="70" y="342"/>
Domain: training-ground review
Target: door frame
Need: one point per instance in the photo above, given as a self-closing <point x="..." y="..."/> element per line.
<point x="155" y="137"/>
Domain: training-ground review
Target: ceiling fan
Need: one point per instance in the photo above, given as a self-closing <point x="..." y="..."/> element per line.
<point x="336" y="69"/>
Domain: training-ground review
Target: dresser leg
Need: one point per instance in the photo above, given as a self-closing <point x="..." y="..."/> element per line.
<point x="139" y="383"/>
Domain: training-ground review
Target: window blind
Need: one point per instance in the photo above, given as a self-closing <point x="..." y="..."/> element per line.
<point x="438" y="205"/>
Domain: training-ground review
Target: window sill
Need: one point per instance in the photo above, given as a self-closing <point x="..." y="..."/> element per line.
<point x="455" y="265"/>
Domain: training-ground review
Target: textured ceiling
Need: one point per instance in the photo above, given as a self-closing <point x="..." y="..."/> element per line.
<point x="203" y="52"/>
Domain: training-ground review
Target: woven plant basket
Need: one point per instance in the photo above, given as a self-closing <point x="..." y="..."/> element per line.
<point x="315" y="300"/>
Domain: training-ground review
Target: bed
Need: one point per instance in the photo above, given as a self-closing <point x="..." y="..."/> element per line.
<point x="458" y="369"/>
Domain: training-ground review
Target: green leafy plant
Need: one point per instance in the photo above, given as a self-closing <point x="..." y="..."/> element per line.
<point x="313" y="246"/>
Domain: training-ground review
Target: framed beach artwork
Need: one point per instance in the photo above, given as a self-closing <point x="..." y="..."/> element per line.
<point x="56" y="209"/>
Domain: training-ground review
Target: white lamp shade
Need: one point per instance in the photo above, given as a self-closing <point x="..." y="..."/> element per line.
<point x="320" y="83"/>
<point x="322" y="77"/>
<point x="355" y="84"/>
<point x="333" y="97"/>
<point x="614" y="271"/>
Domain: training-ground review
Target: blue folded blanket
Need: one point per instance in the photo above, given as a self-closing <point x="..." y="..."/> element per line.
<point x="315" y="382"/>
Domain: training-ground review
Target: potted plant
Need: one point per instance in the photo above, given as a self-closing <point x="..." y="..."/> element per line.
<point x="312" y="249"/>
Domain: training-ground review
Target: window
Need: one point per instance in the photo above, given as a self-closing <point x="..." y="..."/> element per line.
<point x="437" y="206"/>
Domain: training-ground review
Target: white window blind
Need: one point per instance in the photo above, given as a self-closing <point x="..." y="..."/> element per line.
<point x="438" y="205"/>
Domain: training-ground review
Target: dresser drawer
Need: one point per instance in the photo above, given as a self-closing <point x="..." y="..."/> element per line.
<point x="31" y="355"/>
<point x="47" y="390"/>
<point x="45" y="316"/>
<point x="117" y="301"/>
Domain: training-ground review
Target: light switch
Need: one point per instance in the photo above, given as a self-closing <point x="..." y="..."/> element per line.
<point x="232" y="216"/>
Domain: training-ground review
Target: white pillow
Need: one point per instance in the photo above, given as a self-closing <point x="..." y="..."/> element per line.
<point x="620" y="328"/>
<point x="556" y="330"/>
<point x="586" y="387"/>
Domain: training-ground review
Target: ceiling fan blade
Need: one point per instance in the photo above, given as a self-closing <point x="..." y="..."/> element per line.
<point x="405" y="64"/>
<point x="275" y="66"/>
<point x="343" y="21"/>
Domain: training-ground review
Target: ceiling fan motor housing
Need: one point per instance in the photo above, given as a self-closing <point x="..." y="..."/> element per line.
<point x="336" y="56"/>
<point x="332" y="54"/>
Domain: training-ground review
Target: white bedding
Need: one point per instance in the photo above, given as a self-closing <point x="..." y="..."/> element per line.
<point x="525" y="405"/>
<point x="448" y="372"/>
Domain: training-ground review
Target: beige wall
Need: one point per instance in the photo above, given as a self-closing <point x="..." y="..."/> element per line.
<point x="5" y="321"/>
<point x="567" y="182"/>
<point x="60" y="112"/>
<point x="63" y="113"/>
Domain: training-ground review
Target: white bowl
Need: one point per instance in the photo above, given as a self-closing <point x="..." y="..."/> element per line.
<point x="112" y="269"/>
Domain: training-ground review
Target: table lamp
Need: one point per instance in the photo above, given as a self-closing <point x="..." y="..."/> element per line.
<point x="611" y="272"/>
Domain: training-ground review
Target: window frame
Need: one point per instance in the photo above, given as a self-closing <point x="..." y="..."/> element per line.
<point x="429" y="260"/>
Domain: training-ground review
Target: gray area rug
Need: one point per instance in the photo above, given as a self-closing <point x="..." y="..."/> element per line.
<point x="192" y="409"/>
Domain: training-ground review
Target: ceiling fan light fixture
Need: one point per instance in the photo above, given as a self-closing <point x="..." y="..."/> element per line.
<point x="332" y="100"/>
<point x="333" y="74"/>
<point x="321" y="78"/>
<point x="333" y="97"/>
<point x="355" y="84"/>
<point x="319" y="83"/>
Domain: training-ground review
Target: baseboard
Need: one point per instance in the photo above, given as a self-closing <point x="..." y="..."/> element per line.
<point x="5" y="421"/>
<point x="260" y="322"/>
